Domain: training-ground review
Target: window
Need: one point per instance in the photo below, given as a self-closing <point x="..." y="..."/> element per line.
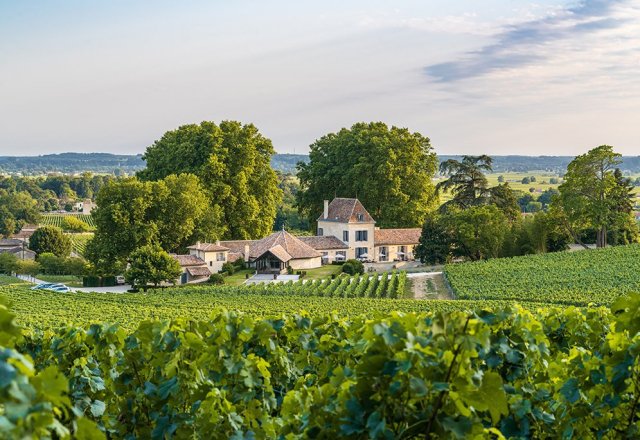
<point x="210" y="263"/>
<point x="362" y="252"/>
<point x="341" y="255"/>
<point x="360" y="217"/>
<point x="362" y="235"/>
<point x="383" y="253"/>
<point x="220" y="256"/>
<point x="320" y="232"/>
<point x="345" y="236"/>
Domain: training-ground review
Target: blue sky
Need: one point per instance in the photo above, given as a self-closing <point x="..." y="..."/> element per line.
<point x="496" y="77"/>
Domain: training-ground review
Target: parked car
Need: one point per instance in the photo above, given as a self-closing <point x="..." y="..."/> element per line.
<point x="42" y="286"/>
<point x="120" y="280"/>
<point x="53" y="287"/>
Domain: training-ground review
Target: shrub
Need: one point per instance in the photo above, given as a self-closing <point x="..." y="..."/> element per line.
<point x="353" y="267"/>
<point x="72" y="223"/>
<point x="229" y="268"/>
<point x="239" y="263"/>
<point x="216" y="278"/>
<point x="8" y="263"/>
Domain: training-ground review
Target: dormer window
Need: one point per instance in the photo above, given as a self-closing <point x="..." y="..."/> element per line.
<point x="360" y="217"/>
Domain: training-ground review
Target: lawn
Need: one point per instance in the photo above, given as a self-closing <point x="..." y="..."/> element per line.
<point x="238" y="277"/>
<point x="323" y="272"/>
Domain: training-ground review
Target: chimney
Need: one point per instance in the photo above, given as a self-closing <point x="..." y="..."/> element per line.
<point x="197" y="243"/>
<point x="246" y="252"/>
<point x="326" y="209"/>
<point x="218" y="242"/>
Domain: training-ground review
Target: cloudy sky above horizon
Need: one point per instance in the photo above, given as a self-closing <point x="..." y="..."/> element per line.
<point x="496" y="77"/>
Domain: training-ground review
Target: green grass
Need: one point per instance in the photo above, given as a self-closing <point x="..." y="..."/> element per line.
<point x="323" y="272"/>
<point x="238" y="278"/>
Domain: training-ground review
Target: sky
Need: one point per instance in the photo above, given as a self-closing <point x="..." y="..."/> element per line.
<point x="476" y="77"/>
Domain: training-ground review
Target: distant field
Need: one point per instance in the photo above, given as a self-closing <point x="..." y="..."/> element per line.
<point x="576" y="278"/>
<point x="56" y="219"/>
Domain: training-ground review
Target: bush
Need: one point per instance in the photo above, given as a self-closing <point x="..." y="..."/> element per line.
<point x="353" y="267"/>
<point x="228" y="268"/>
<point x="28" y="267"/>
<point x="72" y="223"/>
<point x="8" y="263"/>
<point x="239" y="263"/>
<point x="217" y="279"/>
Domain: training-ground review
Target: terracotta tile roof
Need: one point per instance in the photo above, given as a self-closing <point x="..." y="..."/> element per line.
<point x="292" y="245"/>
<point x="208" y="247"/>
<point x="199" y="271"/>
<point x="346" y="211"/>
<point x="278" y="252"/>
<point x="324" y="242"/>
<point x="237" y="246"/>
<point x="188" y="260"/>
<point x="396" y="236"/>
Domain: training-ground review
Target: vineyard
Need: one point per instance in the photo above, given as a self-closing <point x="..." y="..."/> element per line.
<point x="363" y="286"/>
<point x="506" y="373"/>
<point x="57" y="219"/>
<point x="79" y="242"/>
<point x="573" y="278"/>
<point x="49" y="310"/>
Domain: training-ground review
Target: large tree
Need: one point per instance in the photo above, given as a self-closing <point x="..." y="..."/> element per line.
<point x="591" y="194"/>
<point x="151" y="265"/>
<point x="388" y="168"/>
<point x="233" y="162"/>
<point x="466" y="181"/>
<point x="50" y="239"/>
<point x="173" y="212"/>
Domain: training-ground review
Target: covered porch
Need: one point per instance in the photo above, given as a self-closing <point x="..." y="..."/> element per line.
<point x="273" y="261"/>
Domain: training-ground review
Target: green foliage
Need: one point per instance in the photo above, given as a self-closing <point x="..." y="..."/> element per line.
<point x="28" y="267"/>
<point x="8" y="263"/>
<point x="595" y="195"/>
<point x="71" y="223"/>
<point x="228" y="268"/>
<point x="232" y="161"/>
<point x="388" y="169"/>
<point x="16" y="208"/>
<point x="172" y="213"/>
<point x="466" y="180"/>
<point x="353" y="267"/>
<point x="35" y="400"/>
<point x="50" y="239"/>
<point x="216" y="278"/>
<point x="576" y="278"/>
<point x="502" y="372"/>
<point x="151" y="265"/>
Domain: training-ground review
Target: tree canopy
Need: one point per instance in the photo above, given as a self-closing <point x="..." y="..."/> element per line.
<point x="151" y="265"/>
<point x="173" y="213"/>
<point x="388" y="168"/>
<point x="595" y="196"/>
<point x="50" y="239"/>
<point x="466" y="180"/>
<point x="233" y="162"/>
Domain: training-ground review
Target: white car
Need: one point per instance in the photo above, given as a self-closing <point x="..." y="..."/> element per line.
<point x="120" y="280"/>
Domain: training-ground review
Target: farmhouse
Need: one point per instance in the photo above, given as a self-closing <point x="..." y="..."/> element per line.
<point x="345" y="230"/>
<point x="203" y="260"/>
<point x="348" y="220"/>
